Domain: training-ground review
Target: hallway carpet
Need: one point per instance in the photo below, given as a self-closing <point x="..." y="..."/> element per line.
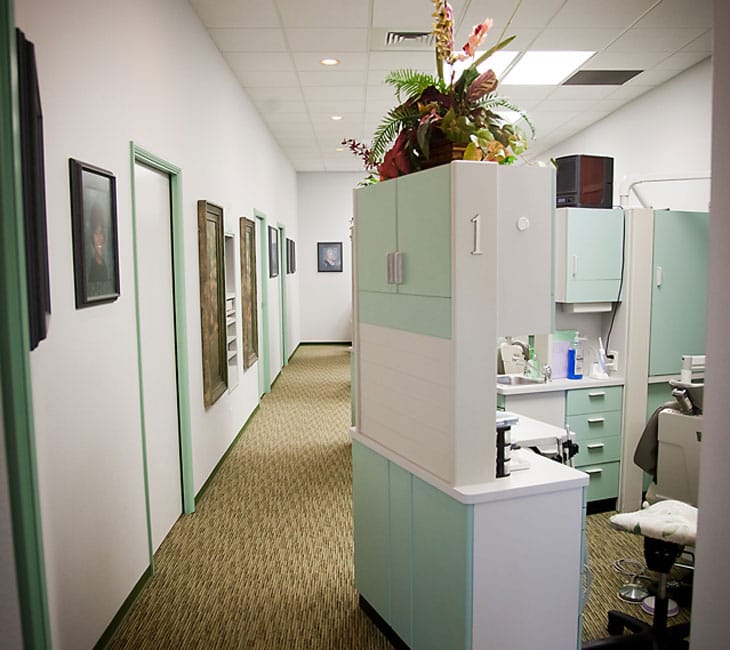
<point x="266" y="561"/>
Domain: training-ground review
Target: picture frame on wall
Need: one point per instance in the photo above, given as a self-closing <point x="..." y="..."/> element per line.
<point x="212" y="301"/>
<point x="329" y="257"/>
<point x="291" y="257"/>
<point x="273" y="252"/>
<point x="94" y="232"/>
<point x="248" y="293"/>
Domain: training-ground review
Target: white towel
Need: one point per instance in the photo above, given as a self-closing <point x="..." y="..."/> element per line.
<point x="670" y="521"/>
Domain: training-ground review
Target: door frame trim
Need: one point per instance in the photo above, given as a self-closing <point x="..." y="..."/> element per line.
<point x="263" y="255"/>
<point x="283" y="311"/>
<point x="17" y="393"/>
<point x="140" y="155"/>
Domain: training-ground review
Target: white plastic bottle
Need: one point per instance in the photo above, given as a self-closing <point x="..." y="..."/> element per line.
<point x="575" y="358"/>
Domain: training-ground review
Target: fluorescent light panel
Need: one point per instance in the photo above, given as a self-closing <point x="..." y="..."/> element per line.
<point x="545" y="68"/>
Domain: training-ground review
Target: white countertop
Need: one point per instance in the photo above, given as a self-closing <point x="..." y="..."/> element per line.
<point x="542" y="477"/>
<point x="559" y="384"/>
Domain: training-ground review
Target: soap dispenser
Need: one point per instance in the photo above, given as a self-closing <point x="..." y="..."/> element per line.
<point x="575" y="358"/>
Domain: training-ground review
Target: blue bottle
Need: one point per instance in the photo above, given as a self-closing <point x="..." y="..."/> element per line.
<point x="575" y="359"/>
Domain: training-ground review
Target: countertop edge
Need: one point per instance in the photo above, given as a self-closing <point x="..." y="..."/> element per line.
<point x="542" y="477"/>
<point x="559" y="385"/>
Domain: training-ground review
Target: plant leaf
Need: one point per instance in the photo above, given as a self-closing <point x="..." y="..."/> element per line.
<point x="393" y="123"/>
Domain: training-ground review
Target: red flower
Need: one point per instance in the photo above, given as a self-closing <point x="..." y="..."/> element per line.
<point x="396" y="161"/>
<point x="480" y="31"/>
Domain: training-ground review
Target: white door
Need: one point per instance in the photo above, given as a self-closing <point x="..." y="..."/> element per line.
<point x="157" y="334"/>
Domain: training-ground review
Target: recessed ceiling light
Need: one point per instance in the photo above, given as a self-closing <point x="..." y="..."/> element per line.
<point x="497" y="62"/>
<point x="545" y="68"/>
<point x="329" y="61"/>
<point x="335" y="117"/>
<point x="340" y="149"/>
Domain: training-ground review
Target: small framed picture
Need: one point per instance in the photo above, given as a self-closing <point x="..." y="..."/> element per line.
<point x="273" y="252"/>
<point x="291" y="256"/>
<point x="94" y="228"/>
<point x="329" y="257"/>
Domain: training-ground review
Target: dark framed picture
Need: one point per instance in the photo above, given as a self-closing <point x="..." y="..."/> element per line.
<point x="273" y="252"/>
<point x="248" y="293"/>
<point x="94" y="229"/>
<point x="212" y="301"/>
<point x="329" y="257"/>
<point x="291" y="256"/>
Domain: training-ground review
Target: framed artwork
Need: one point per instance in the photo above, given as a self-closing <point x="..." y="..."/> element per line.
<point x="291" y="258"/>
<point x="273" y="252"/>
<point x="329" y="257"/>
<point x="212" y="301"/>
<point x="249" y="307"/>
<point x="94" y="229"/>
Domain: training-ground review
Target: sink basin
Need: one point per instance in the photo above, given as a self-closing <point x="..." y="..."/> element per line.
<point x="516" y="380"/>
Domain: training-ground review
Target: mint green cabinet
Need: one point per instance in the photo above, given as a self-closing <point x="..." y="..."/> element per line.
<point x="403" y="252"/>
<point x="588" y="254"/>
<point x="594" y="415"/>
<point x="679" y="289"/>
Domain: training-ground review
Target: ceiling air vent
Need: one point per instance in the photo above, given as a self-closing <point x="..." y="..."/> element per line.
<point x="394" y="39"/>
<point x="601" y="77"/>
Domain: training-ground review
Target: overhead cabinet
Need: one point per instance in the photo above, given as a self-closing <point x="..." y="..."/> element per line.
<point x="588" y="255"/>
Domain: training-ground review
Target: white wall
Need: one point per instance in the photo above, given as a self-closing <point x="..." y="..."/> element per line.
<point x="325" y="210"/>
<point x="666" y="130"/>
<point x="111" y="73"/>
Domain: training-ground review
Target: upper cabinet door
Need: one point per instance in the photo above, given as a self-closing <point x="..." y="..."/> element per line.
<point x="679" y="289"/>
<point x="589" y="250"/>
<point x="424" y="232"/>
<point x="375" y="235"/>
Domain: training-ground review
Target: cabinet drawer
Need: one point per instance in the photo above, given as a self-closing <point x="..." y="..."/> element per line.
<point x="591" y="400"/>
<point x="603" y="481"/>
<point x="598" y="450"/>
<point x="595" y="425"/>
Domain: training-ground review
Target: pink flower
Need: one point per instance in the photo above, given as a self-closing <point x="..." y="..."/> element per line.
<point x="477" y="35"/>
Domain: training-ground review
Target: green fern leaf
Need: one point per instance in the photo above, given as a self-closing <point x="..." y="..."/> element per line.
<point x="411" y="83"/>
<point x="393" y="123"/>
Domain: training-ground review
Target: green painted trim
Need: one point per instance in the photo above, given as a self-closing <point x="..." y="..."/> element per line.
<point x="282" y="294"/>
<point x="264" y="352"/>
<point x="202" y="490"/>
<point x="143" y="156"/>
<point x="123" y="610"/>
<point x="427" y="315"/>
<point x="17" y="396"/>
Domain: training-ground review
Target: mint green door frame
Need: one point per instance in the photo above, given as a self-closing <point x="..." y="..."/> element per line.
<point x="139" y="155"/>
<point x="263" y="255"/>
<point x="282" y="295"/>
<point x="17" y="396"/>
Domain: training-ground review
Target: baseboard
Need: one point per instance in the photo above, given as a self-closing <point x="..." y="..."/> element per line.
<point x="382" y="625"/>
<point x="123" y="610"/>
<point x="199" y="495"/>
<point x="325" y="343"/>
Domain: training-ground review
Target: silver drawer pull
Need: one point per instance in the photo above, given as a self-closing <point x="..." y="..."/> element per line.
<point x="597" y="445"/>
<point x="596" y="471"/>
<point x="596" y="420"/>
<point x="599" y="394"/>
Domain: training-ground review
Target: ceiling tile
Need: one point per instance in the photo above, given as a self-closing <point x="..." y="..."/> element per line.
<point x="266" y="79"/>
<point x="654" y="40"/>
<point x="324" y="13"/>
<point x="333" y="40"/>
<point x="610" y="60"/>
<point x="348" y="60"/>
<point x="349" y="94"/>
<point x="325" y="77"/>
<point x="258" y="61"/>
<point x="412" y="15"/>
<point x="575" y="39"/>
<point x="688" y="13"/>
<point x="249" y="40"/>
<point x="681" y="61"/>
<point x="236" y="13"/>
<point x="582" y="14"/>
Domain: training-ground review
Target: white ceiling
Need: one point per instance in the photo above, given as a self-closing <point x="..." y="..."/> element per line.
<point x="274" y="48"/>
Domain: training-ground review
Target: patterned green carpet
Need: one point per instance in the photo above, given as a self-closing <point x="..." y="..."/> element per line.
<point x="266" y="561"/>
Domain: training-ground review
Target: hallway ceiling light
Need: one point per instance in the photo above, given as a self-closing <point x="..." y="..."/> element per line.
<point x="329" y="61"/>
<point x="545" y="68"/>
<point x="336" y="118"/>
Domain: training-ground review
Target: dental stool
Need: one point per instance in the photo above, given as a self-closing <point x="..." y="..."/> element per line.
<point x="667" y="526"/>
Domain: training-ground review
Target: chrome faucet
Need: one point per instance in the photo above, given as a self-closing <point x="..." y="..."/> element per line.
<point x="532" y="370"/>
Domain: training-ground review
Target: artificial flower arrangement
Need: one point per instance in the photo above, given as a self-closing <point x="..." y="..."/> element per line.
<point x="455" y="109"/>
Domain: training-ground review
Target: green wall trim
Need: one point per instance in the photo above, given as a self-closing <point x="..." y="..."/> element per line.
<point x="126" y="606"/>
<point x="142" y="156"/>
<point x="207" y="483"/>
<point x="17" y="397"/>
<point x="282" y="295"/>
<point x="263" y="255"/>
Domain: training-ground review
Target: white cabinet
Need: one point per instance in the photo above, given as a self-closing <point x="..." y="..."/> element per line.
<point x="231" y="311"/>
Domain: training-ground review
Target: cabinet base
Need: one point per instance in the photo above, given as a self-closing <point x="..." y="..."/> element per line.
<point x="382" y="625"/>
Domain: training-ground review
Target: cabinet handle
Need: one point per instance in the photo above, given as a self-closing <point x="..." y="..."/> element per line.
<point x="575" y="265"/>
<point x="596" y="420"/>
<point x="398" y="268"/>
<point x="389" y="260"/>
<point x="658" y="276"/>
<point x="598" y="394"/>
<point x="597" y="445"/>
<point x="595" y="470"/>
